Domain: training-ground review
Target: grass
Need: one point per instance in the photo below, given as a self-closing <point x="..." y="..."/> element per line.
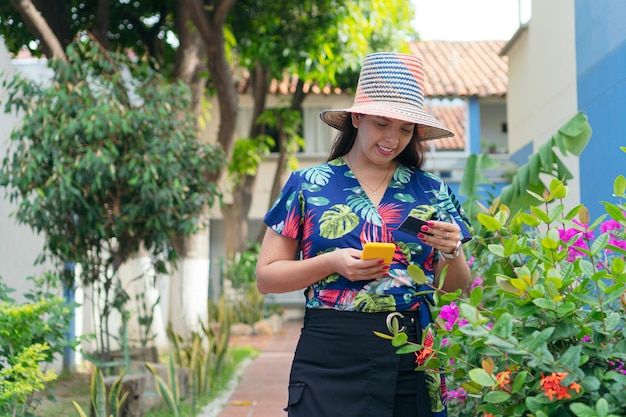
<point x="240" y="353"/>
<point x="56" y="401"/>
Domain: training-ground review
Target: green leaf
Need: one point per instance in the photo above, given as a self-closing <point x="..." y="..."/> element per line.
<point x="98" y="393"/>
<point x="454" y="351"/>
<point x="612" y="320"/>
<point x="505" y="284"/>
<point x="476" y="296"/>
<point x="503" y="327"/>
<point x="571" y="358"/>
<point x="416" y="274"/>
<point x="383" y="335"/>
<point x="615" y="212"/>
<point x="496" y="250"/>
<point x="408" y="348"/>
<point x="399" y="339"/>
<point x="451" y="296"/>
<point x="518" y="382"/>
<point x="529" y="220"/>
<point x="600" y="243"/>
<point x="496" y="397"/>
<point x="602" y="407"/>
<point x="541" y="215"/>
<point x="617" y="266"/>
<point x="471" y="387"/>
<point x="479" y="376"/>
<point x="619" y="186"/>
<point x="536" y="340"/>
<point x="79" y="409"/>
<point x="590" y="383"/>
<point x="545" y="303"/>
<point x="587" y="268"/>
<point x="582" y="410"/>
<point x="489" y="222"/>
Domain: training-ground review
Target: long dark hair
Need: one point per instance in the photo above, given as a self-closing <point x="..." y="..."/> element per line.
<point x="412" y="156"/>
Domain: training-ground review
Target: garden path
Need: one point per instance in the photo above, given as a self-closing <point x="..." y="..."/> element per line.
<point x="262" y="390"/>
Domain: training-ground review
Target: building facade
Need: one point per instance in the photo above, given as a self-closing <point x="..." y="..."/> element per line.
<point x="570" y="57"/>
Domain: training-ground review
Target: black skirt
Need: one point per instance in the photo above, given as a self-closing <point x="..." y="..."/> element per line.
<point x="341" y="368"/>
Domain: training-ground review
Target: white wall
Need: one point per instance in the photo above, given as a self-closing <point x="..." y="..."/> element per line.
<point x="19" y="246"/>
<point x="542" y="94"/>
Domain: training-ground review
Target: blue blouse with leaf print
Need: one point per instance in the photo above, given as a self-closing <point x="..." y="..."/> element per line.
<point x="325" y="208"/>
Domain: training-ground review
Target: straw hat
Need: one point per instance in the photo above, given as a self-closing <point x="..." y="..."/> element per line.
<point x="391" y="85"/>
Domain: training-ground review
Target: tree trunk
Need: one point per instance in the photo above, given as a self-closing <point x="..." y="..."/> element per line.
<point x="189" y="278"/>
<point x="210" y="24"/>
<point x="52" y="41"/>
<point x="235" y="215"/>
<point x="281" y="165"/>
<point x="189" y="284"/>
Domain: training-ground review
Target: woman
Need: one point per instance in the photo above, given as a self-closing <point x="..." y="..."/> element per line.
<point x="317" y="227"/>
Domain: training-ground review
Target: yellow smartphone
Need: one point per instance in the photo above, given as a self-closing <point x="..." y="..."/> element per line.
<point x="378" y="250"/>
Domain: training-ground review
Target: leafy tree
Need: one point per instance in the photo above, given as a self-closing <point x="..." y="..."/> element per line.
<point x="318" y="42"/>
<point x="99" y="168"/>
<point x="178" y="48"/>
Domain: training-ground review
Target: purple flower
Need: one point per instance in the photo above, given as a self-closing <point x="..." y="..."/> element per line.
<point x="566" y="234"/>
<point x="457" y="394"/>
<point x="450" y="315"/>
<point x="614" y="240"/>
<point x="478" y="282"/>
<point x="618" y="366"/>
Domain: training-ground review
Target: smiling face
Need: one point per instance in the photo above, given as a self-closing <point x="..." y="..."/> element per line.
<point x="381" y="139"/>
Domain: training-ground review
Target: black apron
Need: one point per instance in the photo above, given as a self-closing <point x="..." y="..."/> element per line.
<point x="341" y="368"/>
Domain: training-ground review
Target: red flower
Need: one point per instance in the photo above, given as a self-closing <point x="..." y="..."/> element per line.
<point x="503" y="379"/>
<point x="427" y="352"/>
<point x="552" y="387"/>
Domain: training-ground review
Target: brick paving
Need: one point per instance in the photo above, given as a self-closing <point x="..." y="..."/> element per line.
<point x="262" y="391"/>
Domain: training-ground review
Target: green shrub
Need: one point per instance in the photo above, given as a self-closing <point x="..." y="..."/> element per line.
<point x="30" y="335"/>
<point x="543" y="331"/>
<point x="247" y="304"/>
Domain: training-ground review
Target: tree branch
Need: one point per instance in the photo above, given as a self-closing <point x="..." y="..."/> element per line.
<point x="31" y="16"/>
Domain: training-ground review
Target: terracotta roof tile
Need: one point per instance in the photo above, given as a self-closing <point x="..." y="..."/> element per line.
<point x="452" y="69"/>
<point x="453" y="116"/>
<point x="463" y="69"/>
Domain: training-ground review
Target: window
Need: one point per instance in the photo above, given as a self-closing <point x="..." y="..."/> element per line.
<point x="318" y="136"/>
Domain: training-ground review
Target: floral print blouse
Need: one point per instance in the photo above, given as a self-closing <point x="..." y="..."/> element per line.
<point x="325" y="208"/>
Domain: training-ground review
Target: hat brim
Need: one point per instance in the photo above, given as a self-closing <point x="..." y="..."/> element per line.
<point x="428" y="127"/>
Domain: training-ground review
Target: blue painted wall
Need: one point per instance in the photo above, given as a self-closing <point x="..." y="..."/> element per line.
<point x="601" y="82"/>
<point x="474" y="124"/>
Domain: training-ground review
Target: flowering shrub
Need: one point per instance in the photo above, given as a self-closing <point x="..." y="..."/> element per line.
<point x="542" y="331"/>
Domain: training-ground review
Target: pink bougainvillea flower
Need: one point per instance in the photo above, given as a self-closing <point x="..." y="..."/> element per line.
<point x="449" y="314"/>
<point x="614" y="239"/>
<point x="572" y="251"/>
<point x="478" y="282"/>
<point x="458" y="394"/>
